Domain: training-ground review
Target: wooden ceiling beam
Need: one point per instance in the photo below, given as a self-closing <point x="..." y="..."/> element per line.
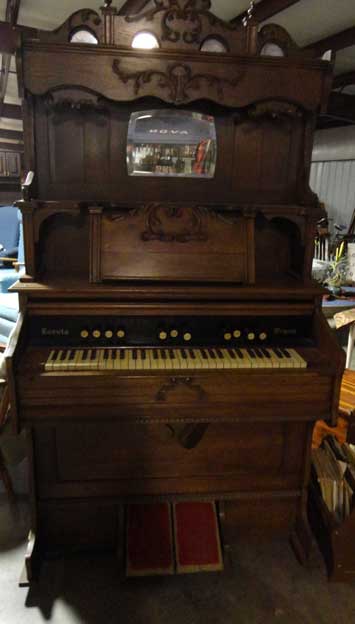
<point x="11" y="111"/>
<point x="12" y="10"/>
<point x="14" y="135"/>
<point x="9" y="36"/>
<point x="343" y="80"/>
<point x="11" y="147"/>
<point x="265" y="9"/>
<point x="338" y="41"/>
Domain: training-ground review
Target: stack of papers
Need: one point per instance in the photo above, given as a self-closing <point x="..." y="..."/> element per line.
<point x="334" y="470"/>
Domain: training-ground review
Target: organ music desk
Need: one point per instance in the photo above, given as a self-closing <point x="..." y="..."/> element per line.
<point x="171" y="343"/>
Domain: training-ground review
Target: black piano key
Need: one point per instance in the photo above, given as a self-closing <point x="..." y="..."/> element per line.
<point x="143" y="354"/>
<point x="219" y="354"/>
<point x="192" y="355"/>
<point x="239" y="353"/>
<point x="85" y="355"/>
<point x="211" y="354"/>
<point x="251" y="353"/>
<point x="204" y="354"/>
<point x="72" y="355"/>
<point x="163" y="354"/>
<point x="259" y="353"/>
<point x="278" y="353"/>
<point x="122" y="354"/>
<point x="183" y="353"/>
<point x="63" y="355"/>
<point x="171" y="354"/>
<point x="105" y="354"/>
<point x="231" y="353"/>
<point x="134" y="354"/>
<point x="113" y="354"/>
<point x="155" y="354"/>
<point x="285" y="352"/>
<point x="266" y="353"/>
<point x="93" y="354"/>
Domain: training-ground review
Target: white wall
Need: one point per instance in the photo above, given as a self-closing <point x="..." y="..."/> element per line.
<point x="333" y="172"/>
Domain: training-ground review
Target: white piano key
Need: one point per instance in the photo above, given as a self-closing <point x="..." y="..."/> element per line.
<point x="50" y="361"/>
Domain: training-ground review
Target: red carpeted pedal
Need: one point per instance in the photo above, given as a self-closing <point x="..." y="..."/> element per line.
<point x="149" y="540"/>
<point x="197" y="541"/>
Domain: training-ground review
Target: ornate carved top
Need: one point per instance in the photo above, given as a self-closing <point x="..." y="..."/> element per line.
<point x="273" y="33"/>
<point x="182" y="20"/>
<point x="177" y="24"/>
<point x="177" y="72"/>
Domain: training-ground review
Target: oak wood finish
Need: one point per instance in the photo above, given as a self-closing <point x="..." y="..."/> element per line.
<point x="100" y="242"/>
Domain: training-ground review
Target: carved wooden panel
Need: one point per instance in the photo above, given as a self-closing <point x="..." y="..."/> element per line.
<point x="149" y="458"/>
<point x="161" y="241"/>
<point x="82" y="141"/>
<point x="268" y="156"/>
<point x="63" y="246"/>
<point x="222" y="78"/>
<point x="86" y="158"/>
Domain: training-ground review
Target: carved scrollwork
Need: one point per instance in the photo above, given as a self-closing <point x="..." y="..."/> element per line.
<point x="176" y="223"/>
<point x="187" y="435"/>
<point x="84" y="105"/>
<point x="175" y="382"/>
<point x="274" y="109"/>
<point x="273" y="33"/>
<point x="170" y="223"/>
<point x="178" y="79"/>
<point x="85" y="17"/>
<point x="181" y="19"/>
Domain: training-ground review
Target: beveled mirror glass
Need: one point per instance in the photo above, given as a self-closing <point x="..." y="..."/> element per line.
<point x="173" y="143"/>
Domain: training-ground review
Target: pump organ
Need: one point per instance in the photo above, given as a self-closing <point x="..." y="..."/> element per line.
<point x="170" y="342"/>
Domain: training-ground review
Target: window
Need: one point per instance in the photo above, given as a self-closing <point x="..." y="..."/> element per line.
<point x="83" y="36"/>
<point x="145" y="41"/>
<point x="212" y="44"/>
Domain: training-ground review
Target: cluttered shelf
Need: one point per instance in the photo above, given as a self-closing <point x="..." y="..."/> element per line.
<point x="332" y="487"/>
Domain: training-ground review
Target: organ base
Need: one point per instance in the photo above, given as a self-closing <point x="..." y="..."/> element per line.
<point x="86" y="476"/>
<point x="236" y="520"/>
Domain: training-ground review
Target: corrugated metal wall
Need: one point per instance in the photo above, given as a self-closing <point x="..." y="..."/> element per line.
<point x="333" y="172"/>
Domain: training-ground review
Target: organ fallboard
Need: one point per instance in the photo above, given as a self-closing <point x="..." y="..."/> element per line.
<point x="171" y="343"/>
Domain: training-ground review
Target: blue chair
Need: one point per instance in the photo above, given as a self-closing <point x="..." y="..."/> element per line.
<point x="10" y="234"/>
<point x="11" y="218"/>
<point x="8" y="315"/>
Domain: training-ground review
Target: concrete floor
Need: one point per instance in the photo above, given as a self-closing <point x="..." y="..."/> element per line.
<point x="265" y="584"/>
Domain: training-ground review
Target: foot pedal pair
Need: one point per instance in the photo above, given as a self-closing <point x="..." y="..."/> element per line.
<point x="165" y="538"/>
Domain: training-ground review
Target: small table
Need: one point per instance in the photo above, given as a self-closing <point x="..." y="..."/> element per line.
<point x="347" y="318"/>
<point x="333" y="306"/>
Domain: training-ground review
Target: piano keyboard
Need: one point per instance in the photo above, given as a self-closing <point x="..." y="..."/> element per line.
<point x="128" y="359"/>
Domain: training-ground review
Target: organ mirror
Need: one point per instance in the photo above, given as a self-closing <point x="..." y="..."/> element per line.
<point x="170" y="143"/>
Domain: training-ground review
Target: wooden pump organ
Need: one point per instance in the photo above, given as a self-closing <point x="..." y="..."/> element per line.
<point x="171" y="343"/>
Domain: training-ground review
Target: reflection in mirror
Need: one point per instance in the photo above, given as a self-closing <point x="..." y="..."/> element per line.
<point x="212" y="44"/>
<point x="145" y="41"/>
<point x="271" y="49"/>
<point x="83" y="36"/>
<point x="173" y="143"/>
